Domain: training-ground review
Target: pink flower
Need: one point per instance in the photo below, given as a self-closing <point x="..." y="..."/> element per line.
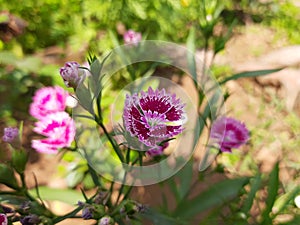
<point x="48" y="100"/>
<point x="229" y="133"/>
<point x="72" y="74"/>
<point x="59" y="128"/>
<point x="132" y="37"/>
<point x="10" y="134"/>
<point x="3" y="219"/>
<point x="153" y="117"/>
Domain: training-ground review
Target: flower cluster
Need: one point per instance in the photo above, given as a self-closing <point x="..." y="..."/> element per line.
<point x="228" y="133"/>
<point x="53" y="122"/>
<point x="132" y="38"/>
<point x="153" y="117"/>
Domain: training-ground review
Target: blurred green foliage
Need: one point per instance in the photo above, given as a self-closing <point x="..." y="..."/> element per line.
<point x="285" y="18"/>
<point x="84" y="23"/>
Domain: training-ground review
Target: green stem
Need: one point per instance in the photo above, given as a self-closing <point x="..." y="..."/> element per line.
<point x="24" y="188"/>
<point x="125" y="175"/>
<point x="112" y="142"/>
<point x="71" y="214"/>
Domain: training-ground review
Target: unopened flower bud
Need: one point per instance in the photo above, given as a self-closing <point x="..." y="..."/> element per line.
<point x="100" y="197"/>
<point x="10" y="134"/>
<point x="99" y="211"/>
<point x="132" y="37"/>
<point x="72" y="74"/>
<point x="25" y="207"/>
<point x="5" y="209"/>
<point x="30" y="220"/>
<point x="80" y="203"/>
<point x="87" y="212"/>
<point x="106" y="220"/>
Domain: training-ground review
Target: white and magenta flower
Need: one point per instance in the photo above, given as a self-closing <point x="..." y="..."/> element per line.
<point x="59" y="130"/>
<point x="153" y="117"/>
<point x="229" y="133"/>
<point x="3" y="219"/>
<point x="72" y="74"/>
<point x="10" y="134"/>
<point x="48" y="100"/>
<point x="132" y="37"/>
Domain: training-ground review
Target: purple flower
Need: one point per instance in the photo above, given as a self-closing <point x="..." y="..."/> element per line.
<point x="229" y="133"/>
<point x="132" y="37"/>
<point x="10" y="134"/>
<point x="153" y="117"/>
<point x="30" y="220"/>
<point x="3" y="219"/>
<point x="48" y="100"/>
<point x="72" y="74"/>
<point x="59" y="128"/>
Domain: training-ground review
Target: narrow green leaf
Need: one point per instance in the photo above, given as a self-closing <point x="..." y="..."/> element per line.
<point x="64" y="195"/>
<point x="255" y="185"/>
<point x="185" y="175"/>
<point x="256" y="73"/>
<point x="216" y="195"/>
<point x="173" y="188"/>
<point x="191" y="54"/>
<point x="161" y="219"/>
<point x="273" y="186"/>
<point x="12" y="199"/>
<point x="94" y="176"/>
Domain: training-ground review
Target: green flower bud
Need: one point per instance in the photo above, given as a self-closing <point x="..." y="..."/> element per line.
<point x="46" y="221"/>
<point x="19" y="160"/>
<point x="99" y="211"/>
<point x="7" y="177"/>
<point x="130" y="207"/>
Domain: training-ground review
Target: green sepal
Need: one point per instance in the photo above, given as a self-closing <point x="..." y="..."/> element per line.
<point x="7" y="177"/>
<point x="19" y="160"/>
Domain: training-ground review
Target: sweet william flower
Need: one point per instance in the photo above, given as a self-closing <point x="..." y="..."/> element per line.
<point x="10" y="134"/>
<point x="132" y="37"/>
<point x="3" y="219"/>
<point x="59" y="130"/>
<point x="48" y="100"/>
<point x="72" y="74"/>
<point x="229" y="133"/>
<point x="153" y="117"/>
